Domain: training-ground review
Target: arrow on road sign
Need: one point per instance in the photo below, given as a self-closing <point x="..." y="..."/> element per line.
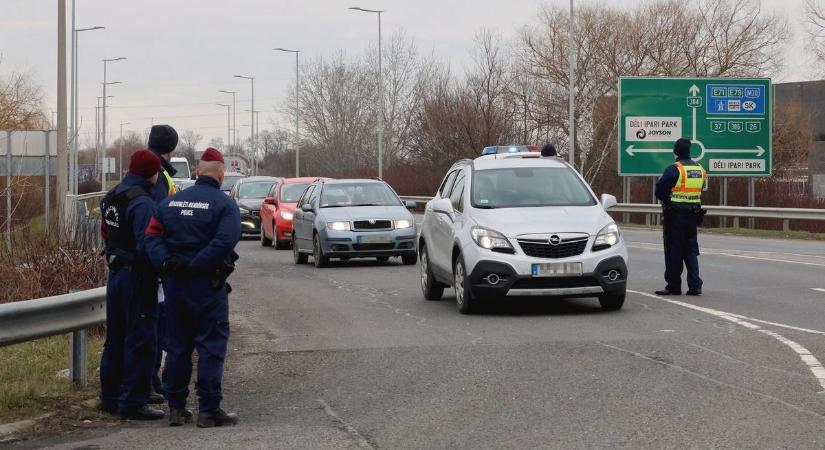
<point x="759" y="151"/>
<point x="630" y="151"/>
<point x="693" y="90"/>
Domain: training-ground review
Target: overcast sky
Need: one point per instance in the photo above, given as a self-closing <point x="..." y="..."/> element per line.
<point x="181" y="52"/>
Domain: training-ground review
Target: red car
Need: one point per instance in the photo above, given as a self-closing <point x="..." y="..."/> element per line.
<point x="277" y="210"/>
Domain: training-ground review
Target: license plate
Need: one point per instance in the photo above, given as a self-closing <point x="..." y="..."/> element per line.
<point x="373" y="239"/>
<point x="556" y="269"/>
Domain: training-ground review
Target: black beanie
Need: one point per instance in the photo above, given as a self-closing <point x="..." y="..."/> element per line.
<point x="682" y="148"/>
<point x="549" y="150"/>
<point x="163" y="139"/>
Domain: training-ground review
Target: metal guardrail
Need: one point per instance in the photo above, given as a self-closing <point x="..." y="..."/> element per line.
<point x="68" y="313"/>
<point x="784" y="214"/>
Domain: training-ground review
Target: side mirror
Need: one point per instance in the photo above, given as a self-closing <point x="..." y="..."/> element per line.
<point x="443" y="206"/>
<point x="608" y="201"/>
<point x="306" y="207"/>
<point x="269" y="201"/>
<point x="411" y="205"/>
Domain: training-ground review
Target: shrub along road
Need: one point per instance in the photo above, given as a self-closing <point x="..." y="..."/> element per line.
<point x="352" y="357"/>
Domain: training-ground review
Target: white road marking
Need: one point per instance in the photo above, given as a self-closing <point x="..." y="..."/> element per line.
<point x="818" y="289"/>
<point x="724" y="252"/>
<point x="805" y="355"/>
<point x="358" y="437"/>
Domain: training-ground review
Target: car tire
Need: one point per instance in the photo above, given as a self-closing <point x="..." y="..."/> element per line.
<point x="297" y="256"/>
<point x="612" y="302"/>
<point x="409" y="259"/>
<point x="432" y="289"/>
<point x="282" y="245"/>
<point x="265" y="241"/>
<point x="318" y="252"/>
<point x="382" y="259"/>
<point x="463" y="294"/>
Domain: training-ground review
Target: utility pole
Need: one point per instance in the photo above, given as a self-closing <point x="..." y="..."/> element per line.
<point x="103" y="137"/>
<point x="228" y="121"/>
<point x="572" y="86"/>
<point x="62" y="134"/>
<point x="120" y="151"/>
<point x="297" y="110"/>
<point x="234" y="141"/>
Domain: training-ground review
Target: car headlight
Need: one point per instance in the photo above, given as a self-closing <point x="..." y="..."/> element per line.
<point x="338" y="226"/>
<point x="491" y="240"/>
<point x="243" y="210"/>
<point x="607" y="237"/>
<point x="286" y="215"/>
<point x="404" y="223"/>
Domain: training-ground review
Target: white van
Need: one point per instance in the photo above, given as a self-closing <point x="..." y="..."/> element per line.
<point x="181" y="165"/>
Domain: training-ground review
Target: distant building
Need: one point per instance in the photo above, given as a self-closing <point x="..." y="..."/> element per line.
<point x="809" y="97"/>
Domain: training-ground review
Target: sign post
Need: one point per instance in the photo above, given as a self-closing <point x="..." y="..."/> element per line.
<point x="728" y="120"/>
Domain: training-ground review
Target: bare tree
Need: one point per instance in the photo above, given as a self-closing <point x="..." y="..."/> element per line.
<point x="187" y="144"/>
<point x="21" y="103"/>
<point x="815" y="27"/>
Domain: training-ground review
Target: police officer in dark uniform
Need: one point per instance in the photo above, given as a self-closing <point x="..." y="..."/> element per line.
<point x="192" y="239"/>
<point x="680" y="191"/>
<point x="131" y="306"/>
<point x="162" y="141"/>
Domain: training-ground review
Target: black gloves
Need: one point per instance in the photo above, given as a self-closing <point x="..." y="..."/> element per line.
<point x="174" y="268"/>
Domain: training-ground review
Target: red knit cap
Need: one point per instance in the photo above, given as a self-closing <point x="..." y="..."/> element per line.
<point x="212" y="154"/>
<point x="144" y="163"/>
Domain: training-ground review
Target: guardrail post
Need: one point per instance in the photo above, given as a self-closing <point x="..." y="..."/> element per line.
<point x="8" y="189"/>
<point x="77" y="355"/>
<point x="786" y="225"/>
<point x="736" y="222"/>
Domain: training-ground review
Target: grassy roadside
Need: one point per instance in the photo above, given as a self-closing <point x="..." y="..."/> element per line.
<point x="28" y="383"/>
<point x="747" y="232"/>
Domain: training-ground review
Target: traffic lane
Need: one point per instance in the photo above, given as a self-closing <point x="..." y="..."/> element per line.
<point x="713" y="351"/>
<point x="776" y="288"/>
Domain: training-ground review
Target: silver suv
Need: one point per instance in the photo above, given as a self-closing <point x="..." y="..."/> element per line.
<point x="519" y="224"/>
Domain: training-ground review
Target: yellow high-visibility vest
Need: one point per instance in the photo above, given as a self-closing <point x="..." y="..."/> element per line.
<point x="169" y="183"/>
<point x="688" y="188"/>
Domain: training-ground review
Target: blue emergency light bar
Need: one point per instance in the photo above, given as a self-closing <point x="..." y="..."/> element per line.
<point x="497" y="149"/>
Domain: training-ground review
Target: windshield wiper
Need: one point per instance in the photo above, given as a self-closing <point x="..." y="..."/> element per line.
<point x="484" y="206"/>
<point x="370" y="204"/>
<point x="335" y="206"/>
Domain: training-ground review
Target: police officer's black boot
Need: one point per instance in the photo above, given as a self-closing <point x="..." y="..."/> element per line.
<point x="156" y="399"/>
<point x="179" y="416"/>
<point x="667" y="291"/>
<point x="216" y="418"/>
<point x="144" y="412"/>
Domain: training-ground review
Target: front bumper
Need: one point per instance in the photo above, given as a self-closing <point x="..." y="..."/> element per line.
<point x="603" y="273"/>
<point x="283" y="229"/>
<point x="251" y="222"/>
<point x="359" y="244"/>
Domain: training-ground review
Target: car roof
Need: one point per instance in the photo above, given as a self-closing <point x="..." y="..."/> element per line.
<point x="353" y="180"/>
<point x="509" y="160"/>
<point x="302" y="180"/>
<point x="258" y="179"/>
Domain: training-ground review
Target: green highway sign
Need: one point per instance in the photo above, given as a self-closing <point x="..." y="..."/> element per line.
<point x="727" y="119"/>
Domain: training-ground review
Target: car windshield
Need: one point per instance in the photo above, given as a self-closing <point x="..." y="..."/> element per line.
<point x="290" y="193"/>
<point x="529" y="187"/>
<point x="229" y="182"/>
<point x="254" y="190"/>
<point x="182" y="168"/>
<point x="358" y="194"/>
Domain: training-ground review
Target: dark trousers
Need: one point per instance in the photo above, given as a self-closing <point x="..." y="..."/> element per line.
<point x="681" y="250"/>
<point x="157" y="386"/>
<point x="129" y="351"/>
<point x="197" y="318"/>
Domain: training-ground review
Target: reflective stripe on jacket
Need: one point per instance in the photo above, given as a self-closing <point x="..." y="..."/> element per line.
<point x="170" y="183"/>
<point x="688" y="188"/>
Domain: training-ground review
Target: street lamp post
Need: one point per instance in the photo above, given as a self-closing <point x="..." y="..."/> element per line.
<point x="73" y="126"/>
<point x="234" y="123"/>
<point x="120" y="151"/>
<point x="380" y="94"/>
<point x="103" y="137"/>
<point x="98" y="151"/>
<point x="257" y="116"/>
<point x="228" y="122"/>
<point x="572" y="93"/>
<point x="252" y="134"/>
<point x="297" y="110"/>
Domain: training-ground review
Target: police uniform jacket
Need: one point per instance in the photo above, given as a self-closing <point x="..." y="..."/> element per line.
<point x="161" y="190"/>
<point x="668" y="180"/>
<point x="138" y="214"/>
<point x="199" y="226"/>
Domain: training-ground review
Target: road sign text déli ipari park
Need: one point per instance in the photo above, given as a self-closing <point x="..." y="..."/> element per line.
<point x="727" y="119"/>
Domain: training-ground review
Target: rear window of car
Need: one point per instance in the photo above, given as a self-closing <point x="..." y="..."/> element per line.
<point x="529" y="187"/>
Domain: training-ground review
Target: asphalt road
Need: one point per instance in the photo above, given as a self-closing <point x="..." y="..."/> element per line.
<point x="352" y="356"/>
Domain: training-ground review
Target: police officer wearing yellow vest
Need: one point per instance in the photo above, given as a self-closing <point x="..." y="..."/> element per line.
<point x="680" y="191"/>
<point x="162" y="141"/>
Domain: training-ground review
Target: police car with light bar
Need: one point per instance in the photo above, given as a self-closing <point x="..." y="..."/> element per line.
<point x="514" y="223"/>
